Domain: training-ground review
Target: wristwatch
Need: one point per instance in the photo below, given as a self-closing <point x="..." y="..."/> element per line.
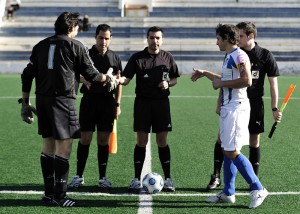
<point x="118" y="104"/>
<point x="275" y="109"/>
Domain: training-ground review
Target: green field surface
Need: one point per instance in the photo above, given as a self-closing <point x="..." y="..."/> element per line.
<point x="195" y="127"/>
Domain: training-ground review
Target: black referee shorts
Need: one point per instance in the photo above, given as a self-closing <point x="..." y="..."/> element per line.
<point x="257" y="113"/>
<point x="57" y="117"/>
<point x="97" y="110"/>
<point x="152" y="113"/>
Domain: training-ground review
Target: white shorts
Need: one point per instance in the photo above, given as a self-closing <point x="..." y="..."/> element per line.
<point x="234" y="122"/>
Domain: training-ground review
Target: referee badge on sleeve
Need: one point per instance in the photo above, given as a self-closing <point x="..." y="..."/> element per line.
<point x="255" y="74"/>
<point x="165" y="76"/>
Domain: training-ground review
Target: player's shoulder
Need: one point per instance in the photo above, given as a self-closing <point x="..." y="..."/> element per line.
<point x="166" y="53"/>
<point x="261" y="50"/>
<point x="241" y="55"/>
<point x="112" y="53"/>
<point x="78" y="43"/>
<point x="138" y="55"/>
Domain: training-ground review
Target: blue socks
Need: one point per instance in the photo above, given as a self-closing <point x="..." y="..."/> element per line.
<point x="229" y="176"/>
<point x="243" y="165"/>
<point x="245" y="168"/>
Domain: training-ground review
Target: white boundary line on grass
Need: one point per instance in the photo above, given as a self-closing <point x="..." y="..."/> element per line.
<point x="145" y="200"/>
<point x="171" y="96"/>
<point x="32" y="192"/>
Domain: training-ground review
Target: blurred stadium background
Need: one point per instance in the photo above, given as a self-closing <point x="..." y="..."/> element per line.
<point x="189" y="35"/>
<point x="188" y="24"/>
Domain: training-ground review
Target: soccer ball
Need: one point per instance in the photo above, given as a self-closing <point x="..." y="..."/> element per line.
<point x="153" y="183"/>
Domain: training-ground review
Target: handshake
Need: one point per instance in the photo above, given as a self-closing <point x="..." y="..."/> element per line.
<point x="111" y="81"/>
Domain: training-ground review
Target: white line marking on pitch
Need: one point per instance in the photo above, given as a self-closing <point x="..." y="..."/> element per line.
<point x="171" y="96"/>
<point x="33" y="192"/>
<point x="145" y="200"/>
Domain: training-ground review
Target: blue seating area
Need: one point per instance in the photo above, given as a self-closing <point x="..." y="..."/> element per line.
<point x="178" y="55"/>
<point x="190" y="30"/>
<point x="224" y="12"/>
<point x="55" y="11"/>
<point x="136" y="32"/>
<point x="167" y="11"/>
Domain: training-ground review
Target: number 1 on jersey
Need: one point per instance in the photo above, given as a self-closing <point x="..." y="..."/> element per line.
<point x="51" y="56"/>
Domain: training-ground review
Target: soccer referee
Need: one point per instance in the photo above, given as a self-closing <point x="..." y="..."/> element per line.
<point x="156" y="71"/>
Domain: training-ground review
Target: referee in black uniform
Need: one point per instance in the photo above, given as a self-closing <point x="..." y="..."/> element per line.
<point x="98" y="108"/>
<point x="155" y="71"/>
<point x="56" y="64"/>
<point x="262" y="64"/>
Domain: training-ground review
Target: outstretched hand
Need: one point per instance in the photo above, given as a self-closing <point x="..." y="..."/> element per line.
<point x="111" y="81"/>
<point x="197" y="74"/>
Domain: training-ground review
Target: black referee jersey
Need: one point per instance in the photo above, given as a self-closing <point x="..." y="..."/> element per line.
<point x="262" y="63"/>
<point x="56" y="64"/>
<point x="102" y="63"/>
<point x="151" y="70"/>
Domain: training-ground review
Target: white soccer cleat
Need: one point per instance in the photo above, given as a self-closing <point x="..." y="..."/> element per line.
<point x="257" y="197"/>
<point x="169" y="185"/>
<point x="135" y="185"/>
<point x="76" y="182"/>
<point x="221" y="198"/>
<point x="104" y="184"/>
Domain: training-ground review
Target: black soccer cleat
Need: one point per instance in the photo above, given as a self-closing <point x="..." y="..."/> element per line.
<point x="67" y="202"/>
<point x="215" y="182"/>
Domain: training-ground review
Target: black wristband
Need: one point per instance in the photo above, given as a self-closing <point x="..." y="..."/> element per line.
<point x="117" y="104"/>
<point x="26" y="100"/>
<point x="275" y="109"/>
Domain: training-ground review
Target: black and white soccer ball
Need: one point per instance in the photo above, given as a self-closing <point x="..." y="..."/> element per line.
<point x="153" y="183"/>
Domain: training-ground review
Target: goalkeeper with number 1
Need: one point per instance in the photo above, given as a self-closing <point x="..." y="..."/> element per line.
<point x="56" y="64"/>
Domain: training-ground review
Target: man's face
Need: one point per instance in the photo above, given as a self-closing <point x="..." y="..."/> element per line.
<point x="244" y="39"/>
<point x="103" y="40"/>
<point x="221" y="43"/>
<point x="155" y="40"/>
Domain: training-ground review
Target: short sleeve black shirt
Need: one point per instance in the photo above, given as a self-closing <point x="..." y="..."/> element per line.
<point x="262" y="63"/>
<point x="151" y="70"/>
<point x="102" y="63"/>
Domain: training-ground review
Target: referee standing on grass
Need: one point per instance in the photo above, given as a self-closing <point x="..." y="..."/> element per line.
<point x="156" y="71"/>
<point x="98" y="108"/>
<point x="56" y="64"/>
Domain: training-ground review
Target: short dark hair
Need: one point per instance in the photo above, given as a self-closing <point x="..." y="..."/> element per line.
<point x="228" y="32"/>
<point x="154" y="29"/>
<point x="65" y="22"/>
<point x="104" y="28"/>
<point x="248" y="28"/>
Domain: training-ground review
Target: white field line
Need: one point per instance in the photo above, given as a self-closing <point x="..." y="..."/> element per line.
<point x="32" y="192"/>
<point x="171" y="96"/>
<point x="145" y="200"/>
